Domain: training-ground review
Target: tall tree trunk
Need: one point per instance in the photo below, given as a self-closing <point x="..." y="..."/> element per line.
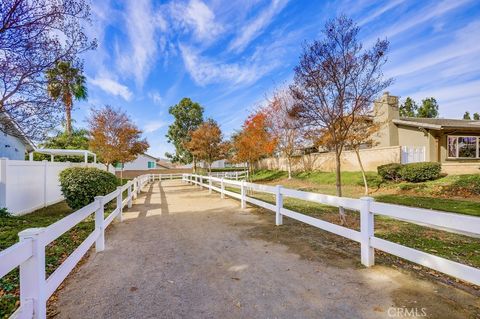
<point x="289" y="167"/>
<point x="68" y="114"/>
<point x="194" y="165"/>
<point x="338" y="185"/>
<point x="357" y="151"/>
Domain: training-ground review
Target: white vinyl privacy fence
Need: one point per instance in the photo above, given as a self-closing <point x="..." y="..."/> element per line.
<point x="29" y="185"/>
<point x="29" y="253"/>
<point x="368" y="208"/>
<point x="413" y="154"/>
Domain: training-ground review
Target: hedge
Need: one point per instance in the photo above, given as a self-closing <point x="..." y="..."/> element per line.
<point x="80" y="185"/>
<point x="420" y="172"/>
<point x="390" y="171"/>
<point x="413" y="172"/>
<point x="465" y="185"/>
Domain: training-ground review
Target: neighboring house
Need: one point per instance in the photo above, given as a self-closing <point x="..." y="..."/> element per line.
<point x="14" y="144"/>
<point x="144" y="162"/>
<point x="449" y="141"/>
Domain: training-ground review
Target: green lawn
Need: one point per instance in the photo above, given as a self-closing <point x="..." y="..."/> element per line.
<point x="455" y="247"/>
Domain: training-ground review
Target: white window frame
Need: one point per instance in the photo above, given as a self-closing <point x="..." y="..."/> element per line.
<point x="457" y="148"/>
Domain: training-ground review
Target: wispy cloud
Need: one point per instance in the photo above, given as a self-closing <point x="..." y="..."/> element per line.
<point x="256" y="26"/>
<point x="110" y="86"/>
<point x="198" y="17"/>
<point x="386" y="6"/>
<point x="426" y="14"/>
<point x="155" y="97"/>
<point x="139" y="56"/>
<point x="153" y="126"/>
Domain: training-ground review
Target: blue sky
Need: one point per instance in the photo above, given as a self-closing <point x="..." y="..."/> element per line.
<point x="228" y="55"/>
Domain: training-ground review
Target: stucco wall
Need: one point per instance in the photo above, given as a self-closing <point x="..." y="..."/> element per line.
<point x="461" y="168"/>
<point x="141" y="163"/>
<point x="371" y="158"/>
<point x="11" y="147"/>
<point x="412" y="136"/>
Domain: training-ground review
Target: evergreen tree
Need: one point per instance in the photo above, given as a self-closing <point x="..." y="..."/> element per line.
<point x="466" y="116"/>
<point x="476" y="116"/>
<point x="408" y="108"/>
<point x="429" y="108"/>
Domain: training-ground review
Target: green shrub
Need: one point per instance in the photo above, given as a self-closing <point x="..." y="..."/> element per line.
<point x="420" y="172"/>
<point x="80" y="185"/>
<point x="464" y="185"/>
<point x="4" y="213"/>
<point x="390" y="171"/>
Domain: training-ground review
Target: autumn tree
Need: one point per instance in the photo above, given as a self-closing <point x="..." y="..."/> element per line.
<point x="206" y="143"/>
<point x="114" y="137"/>
<point x="188" y="116"/>
<point x="34" y="36"/>
<point x="335" y="82"/>
<point x="254" y="141"/>
<point x="284" y="126"/>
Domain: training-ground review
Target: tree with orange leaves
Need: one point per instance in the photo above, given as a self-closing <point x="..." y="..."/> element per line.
<point x="255" y="140"/>
<point x="114" y="137"/>
<point x="206" y="143"/>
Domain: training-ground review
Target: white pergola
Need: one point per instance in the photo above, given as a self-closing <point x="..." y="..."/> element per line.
<point x="52" y="152"/>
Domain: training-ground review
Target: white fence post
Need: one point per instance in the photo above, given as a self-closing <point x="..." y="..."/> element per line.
<point x="32" y="274"/>
<point x="119" y="204"/>
<point x="278" y="206"/>
<point x="209" y="185"/>
<point x="243" y="201"/>
<point x="129" y="194"/>
<point x="367" y="231"/>
<point x="45" y="163"/>
<point x="236" y="176"/>
<point x="99" y="224"/>
<point x="222" y="188"/>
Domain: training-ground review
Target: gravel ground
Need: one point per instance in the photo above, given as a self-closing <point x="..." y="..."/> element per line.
<point x="182" y="253"/>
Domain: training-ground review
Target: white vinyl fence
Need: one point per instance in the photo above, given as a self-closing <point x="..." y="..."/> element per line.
<point x="29" y="253"/>
<point x="368" y="208"/>
<point x="413" y="154"/>
<point x="29" y="185"/>
<point x="230" y="174"/>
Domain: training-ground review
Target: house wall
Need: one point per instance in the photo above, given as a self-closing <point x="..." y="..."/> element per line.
<point x="385" y="110"/>
<point x="11" y="147"/>
<point x="371" y="159"/>
<point x="412" y="136"/>
<point x="140" y="163"/>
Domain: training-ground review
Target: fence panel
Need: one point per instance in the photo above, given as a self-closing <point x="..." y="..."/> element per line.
<point x="29" y="185"/>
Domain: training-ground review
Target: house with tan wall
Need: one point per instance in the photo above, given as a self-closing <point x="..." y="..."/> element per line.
<point x="452" y="142"/>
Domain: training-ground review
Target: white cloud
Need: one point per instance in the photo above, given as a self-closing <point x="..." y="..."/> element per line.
<point x="112" y="87"/>
<point x="464" y="43"/>
<point x="196" y="15"/>
<point x="254" y="28"/>
<point x="139" y="56"/>
<point x="384" y="8"/>
<point x="429" y="13"/>
<point x="205" y="71"/>
<point x="155" y="97"/>
<point x="153" y="126"/>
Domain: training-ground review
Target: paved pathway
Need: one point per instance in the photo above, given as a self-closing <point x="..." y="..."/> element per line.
<point x="182" y="253"/>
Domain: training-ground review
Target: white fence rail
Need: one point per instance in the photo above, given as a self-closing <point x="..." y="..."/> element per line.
<point x="368" y="209"/>
<point x="29" y="253"/>
<point x="29" y="185"/>
<point x="413" y="154"/>
<point x="230" y="174"/>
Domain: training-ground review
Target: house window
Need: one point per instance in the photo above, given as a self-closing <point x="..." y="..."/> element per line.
<point x="151" y="164"/>
<point x="463" y="146"/>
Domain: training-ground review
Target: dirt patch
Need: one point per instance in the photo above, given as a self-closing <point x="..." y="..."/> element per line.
<point x="440" y="295"/>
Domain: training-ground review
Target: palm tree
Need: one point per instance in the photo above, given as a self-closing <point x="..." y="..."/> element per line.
<point x="66" y="82"/>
